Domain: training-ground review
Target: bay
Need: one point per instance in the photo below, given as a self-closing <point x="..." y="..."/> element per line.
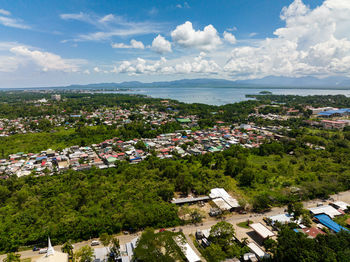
<point x="222" y="95"/>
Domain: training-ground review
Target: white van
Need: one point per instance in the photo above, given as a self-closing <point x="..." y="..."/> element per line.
<point x="43" y="251"/>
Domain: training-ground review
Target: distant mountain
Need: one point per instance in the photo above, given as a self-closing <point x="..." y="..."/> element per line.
<point x="266" y="82"/>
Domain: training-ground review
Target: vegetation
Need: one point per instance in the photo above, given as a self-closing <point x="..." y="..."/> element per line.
<point x="223" y="244"/>
<point x="292" y="246"/>
<point x="84" y="254"/>
<point x="158" y="247"/>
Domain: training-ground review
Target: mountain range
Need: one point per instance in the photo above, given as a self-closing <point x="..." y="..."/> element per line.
<point x="266" y="82"/>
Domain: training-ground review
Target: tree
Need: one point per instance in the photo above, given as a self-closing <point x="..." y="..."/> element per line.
<point x="296" y="209"/>
<point x="269" y="244"/>
<point x="157" y="247"/>
<point x="214" y="253"/>
<point x="12" y="257"/>
<point x="222" y="234"/>
<point x="114" y="249"/>
<point x="105" y="239"/>
<point x="196" y="216"/>
<point x="68" y="248"/>
<point x="84" y="254"/>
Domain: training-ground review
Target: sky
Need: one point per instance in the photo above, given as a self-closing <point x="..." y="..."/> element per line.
<point x="53" y="43"/>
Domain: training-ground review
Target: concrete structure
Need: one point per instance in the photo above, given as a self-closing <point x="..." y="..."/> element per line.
<point x="52" y="255"/>
<point x="261" y="230"/>
<point x="338" y="124"/>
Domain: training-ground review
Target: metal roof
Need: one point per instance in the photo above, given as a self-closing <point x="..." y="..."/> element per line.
<point x="328" y="222"/>
<point x="261" y="230"/>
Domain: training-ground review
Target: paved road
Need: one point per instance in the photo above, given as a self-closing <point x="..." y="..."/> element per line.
<point x="191" y="229"/>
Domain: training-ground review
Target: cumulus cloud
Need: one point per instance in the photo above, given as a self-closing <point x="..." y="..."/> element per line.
<point x="229" y="37"/>
<point x="313" y="42"/>
<point x="133" y="44"/>
<point x="198" y="64"/>
<point x="186" y="36"/>
<point x="161" y="45"/>
<point x="44" y="60"/>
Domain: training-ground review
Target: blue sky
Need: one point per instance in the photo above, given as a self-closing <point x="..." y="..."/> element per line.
<point x="45" y="43"/>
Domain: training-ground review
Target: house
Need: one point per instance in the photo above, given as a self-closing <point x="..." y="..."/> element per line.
<point x="337" y="124"/>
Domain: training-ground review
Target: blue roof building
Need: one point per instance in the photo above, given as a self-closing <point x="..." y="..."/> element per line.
<point x="328" y="222"/>
<point x="338" y="112"/>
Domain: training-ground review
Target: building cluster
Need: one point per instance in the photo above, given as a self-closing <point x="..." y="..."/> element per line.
<point x="106" y="116"/>
<point x="322" y="217"/>
<point x="107" y="153"/>
<point x="332" y="118"/>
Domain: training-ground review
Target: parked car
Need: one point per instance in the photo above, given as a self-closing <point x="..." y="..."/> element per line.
<point x="162" y="230"/>
<point x="42" y="250"/>
<point x="95" y="243"/>
<point x="36" y="248"/>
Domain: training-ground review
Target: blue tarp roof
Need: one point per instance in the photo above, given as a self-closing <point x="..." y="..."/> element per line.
<point x="331" y="112"/>
<point x="328" y="222"/>
<point x="41" y="158"/>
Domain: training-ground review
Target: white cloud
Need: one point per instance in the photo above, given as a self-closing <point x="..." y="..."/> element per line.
<point x="107" y="18"/>
<point x="230" y="37"/>
<point x="13" y="22"/>
<point x="96" y="69"/>
<point x="232" y="29"/>
<point x="161" y="45"/>
<point x="185" y="5"/>
<point x="313" y="42"/>
<point x="110" y="26"/>
<point x="133" y="44"/>
<point x="45" y="60"/>
<point x="198" y="64"/>
<point x="8" y="64"/>
<point x="4" y="12"/>
<point x="186" y="36"/>
<point x="153" y="11"/>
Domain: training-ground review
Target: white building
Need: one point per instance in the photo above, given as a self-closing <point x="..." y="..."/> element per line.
<point x="222" y="199"/>
<point x="53" y="255"/>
